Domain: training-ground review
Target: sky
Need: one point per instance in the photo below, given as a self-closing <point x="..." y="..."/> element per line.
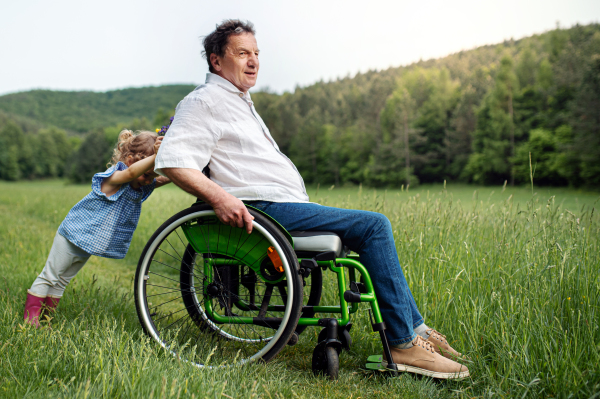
<point x="82" y="45"/>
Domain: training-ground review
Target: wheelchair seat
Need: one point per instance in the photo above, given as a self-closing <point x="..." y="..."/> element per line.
<point x="307" y="244"/>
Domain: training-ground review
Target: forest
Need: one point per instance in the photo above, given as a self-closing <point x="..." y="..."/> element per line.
<point x="498" y="114"/>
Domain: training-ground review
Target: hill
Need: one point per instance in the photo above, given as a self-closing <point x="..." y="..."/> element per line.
<point x="474" y="116"/>
<point x="83" y="111"/>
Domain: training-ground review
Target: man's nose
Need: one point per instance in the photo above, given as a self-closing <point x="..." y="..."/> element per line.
<point x="253" y="60"/>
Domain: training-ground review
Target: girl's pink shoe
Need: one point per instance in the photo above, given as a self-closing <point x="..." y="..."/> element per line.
<point x="50" y="303"/>
<point x="33" y="310"/>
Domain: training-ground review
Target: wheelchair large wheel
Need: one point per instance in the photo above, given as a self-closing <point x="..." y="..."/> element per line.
<point x="213" y="294"/>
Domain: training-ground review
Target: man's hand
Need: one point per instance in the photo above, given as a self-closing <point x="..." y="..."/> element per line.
<point x="228" y="208"/>
<point x="233" y="212"/>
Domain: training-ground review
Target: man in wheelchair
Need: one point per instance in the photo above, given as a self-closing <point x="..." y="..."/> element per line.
<point x="218" y="124"/>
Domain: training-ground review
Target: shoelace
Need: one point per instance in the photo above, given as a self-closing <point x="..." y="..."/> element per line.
<point x="419" y="341"/>
<point x="436" y="335"/>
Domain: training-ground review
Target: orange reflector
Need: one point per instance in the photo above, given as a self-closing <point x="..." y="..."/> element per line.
<point x="274" y="256"/>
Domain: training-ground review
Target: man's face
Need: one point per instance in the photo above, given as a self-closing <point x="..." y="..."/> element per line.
<point x="240" y="63"/>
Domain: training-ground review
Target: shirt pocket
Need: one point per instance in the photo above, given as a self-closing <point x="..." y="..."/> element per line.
<point x="253" y="140"/>
<point x="230" y="140"/>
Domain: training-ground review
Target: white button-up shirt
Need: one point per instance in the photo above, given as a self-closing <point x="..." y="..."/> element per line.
<point x="217" y="123"/>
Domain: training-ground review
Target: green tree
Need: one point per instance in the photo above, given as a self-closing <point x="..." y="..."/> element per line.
<point x="91" y="157"/>
<point x="586" y="123"/>
<point x="544" y="76"/>
<point x="567" y="162"/>
<point x="457" y="142"/>
<point x="542" y="145"/>
<point x="391" y="165"/>
<point x="65" y="148"/>
<point x="11" y="142"/>
<point x="494" y="138"/>
<point x="306" y="144"/>
<point x="47" y="160"/>
<point x="526" y="68"/>
<point x="355" y="146"/>
<point x="434" y="119"/>
<point x="9" y="163"/>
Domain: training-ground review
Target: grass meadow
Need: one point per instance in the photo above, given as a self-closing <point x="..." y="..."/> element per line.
<point x="510" y="275"/>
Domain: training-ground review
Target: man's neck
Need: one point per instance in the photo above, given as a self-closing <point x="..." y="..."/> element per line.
<point x="239" y="88"/>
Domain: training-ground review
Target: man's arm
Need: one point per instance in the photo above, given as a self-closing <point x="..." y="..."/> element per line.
<point x="161" y="181"/>
<point x="228" y="208"/>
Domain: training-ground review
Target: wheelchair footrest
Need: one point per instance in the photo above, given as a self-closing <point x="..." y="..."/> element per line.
<point x="375" y="359"/>
<point x="375" y="363"/>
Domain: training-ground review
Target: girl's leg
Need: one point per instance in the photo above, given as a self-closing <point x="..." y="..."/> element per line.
<point x="65" y="277"/>
<point x="64" y="261"/>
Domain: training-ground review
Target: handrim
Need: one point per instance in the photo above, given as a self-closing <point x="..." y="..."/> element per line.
<point x="151" y="250"/>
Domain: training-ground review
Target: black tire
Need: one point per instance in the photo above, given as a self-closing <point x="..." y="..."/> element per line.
<point x="326" y="361"/>
<point x="343" y="336"/>
<point x="184" y="281"/>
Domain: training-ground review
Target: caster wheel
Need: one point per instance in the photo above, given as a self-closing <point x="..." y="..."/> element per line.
<point x="326" y="361"/>
<point x="343" y="336"/>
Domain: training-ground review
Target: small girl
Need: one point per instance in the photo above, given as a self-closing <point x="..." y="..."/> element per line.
<point x="102" y="223"/>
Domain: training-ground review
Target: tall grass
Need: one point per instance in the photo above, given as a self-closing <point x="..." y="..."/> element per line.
<point x="511" y="279"/>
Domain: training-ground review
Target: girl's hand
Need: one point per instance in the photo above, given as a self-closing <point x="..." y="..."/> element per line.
<point x="157" y="143"/>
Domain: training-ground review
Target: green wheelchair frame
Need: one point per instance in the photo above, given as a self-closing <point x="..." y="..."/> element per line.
<point x="218" y="263"/>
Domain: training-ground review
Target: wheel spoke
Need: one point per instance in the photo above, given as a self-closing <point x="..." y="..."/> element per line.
<point x="238" y="292"/>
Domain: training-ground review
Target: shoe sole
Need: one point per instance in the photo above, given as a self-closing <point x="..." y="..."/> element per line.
<point x="455" y="358"/>
<point x="429" y="373"/>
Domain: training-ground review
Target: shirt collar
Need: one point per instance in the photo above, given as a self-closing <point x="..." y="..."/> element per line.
<point x="227" y="85"/>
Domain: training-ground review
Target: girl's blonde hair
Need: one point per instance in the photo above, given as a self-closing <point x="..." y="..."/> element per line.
<point x="132" y="147"/>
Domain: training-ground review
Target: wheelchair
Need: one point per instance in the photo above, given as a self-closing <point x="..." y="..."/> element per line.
<point x="213" y="295"/>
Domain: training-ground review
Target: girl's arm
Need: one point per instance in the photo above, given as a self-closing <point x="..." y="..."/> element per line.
<point x="112" y="184"/>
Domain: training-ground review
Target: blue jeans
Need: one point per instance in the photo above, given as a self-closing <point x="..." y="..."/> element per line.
<point x="369" y="234"/>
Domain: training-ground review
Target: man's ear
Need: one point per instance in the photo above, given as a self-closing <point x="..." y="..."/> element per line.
<point x="215" y="62"/>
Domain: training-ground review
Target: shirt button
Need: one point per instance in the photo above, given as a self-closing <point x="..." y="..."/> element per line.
<point x="241" y="94"/>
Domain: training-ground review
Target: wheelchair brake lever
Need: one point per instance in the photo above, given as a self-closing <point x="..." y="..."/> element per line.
<point x="307" y="266"/>
<point x="329" y="255"/>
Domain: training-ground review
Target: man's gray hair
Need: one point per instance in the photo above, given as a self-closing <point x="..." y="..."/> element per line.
<point x="216" y="41"/>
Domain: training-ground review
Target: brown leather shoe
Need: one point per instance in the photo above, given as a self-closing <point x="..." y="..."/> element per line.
<point x="441" y="346"/>
<point x="422" y="359"/>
